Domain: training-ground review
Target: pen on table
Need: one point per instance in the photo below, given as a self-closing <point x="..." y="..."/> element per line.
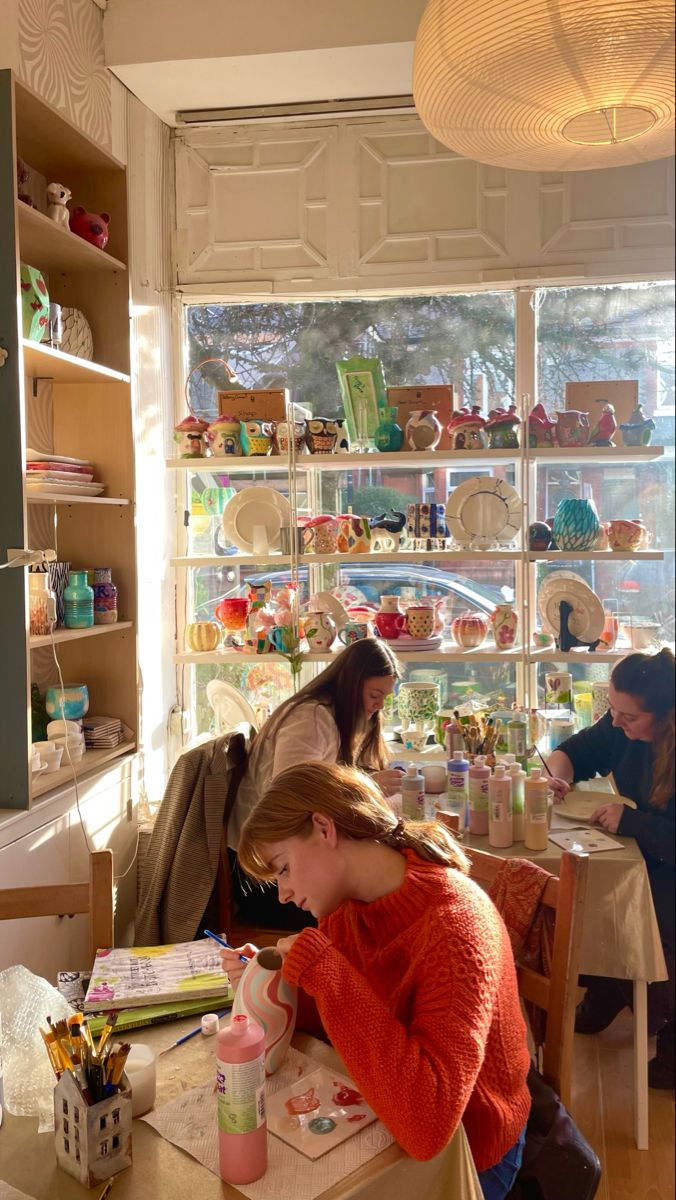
<point x="242" y="958"/>
<point x="186" y="1036"/>
<point x="107" y="1188"/>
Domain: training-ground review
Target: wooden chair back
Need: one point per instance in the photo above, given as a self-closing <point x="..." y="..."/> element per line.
<point x="66" y="899"/>
<point x="556" y="994"/>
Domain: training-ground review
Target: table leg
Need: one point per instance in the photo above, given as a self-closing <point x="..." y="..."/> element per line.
<point x="641" y="1063"/>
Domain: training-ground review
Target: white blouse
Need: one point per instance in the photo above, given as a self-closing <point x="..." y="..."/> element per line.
<point x="308" y="732"/>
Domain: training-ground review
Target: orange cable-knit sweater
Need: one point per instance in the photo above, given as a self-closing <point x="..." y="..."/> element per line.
<point x="417" y="991"/>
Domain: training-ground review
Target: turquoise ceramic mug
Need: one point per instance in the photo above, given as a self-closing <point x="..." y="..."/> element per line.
<point x="354" y="631"/>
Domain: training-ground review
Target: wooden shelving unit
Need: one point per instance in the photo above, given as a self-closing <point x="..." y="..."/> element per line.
<point x="69" y="406"/>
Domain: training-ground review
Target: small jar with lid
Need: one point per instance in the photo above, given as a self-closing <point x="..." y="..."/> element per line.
<point x="105" y="597"/>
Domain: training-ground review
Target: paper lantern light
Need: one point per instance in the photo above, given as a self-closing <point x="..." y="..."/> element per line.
<point x="538" y="86"/>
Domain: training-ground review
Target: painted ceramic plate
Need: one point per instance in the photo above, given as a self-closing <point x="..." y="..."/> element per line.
<point x="47" y="456"/>
<point x="317" y="1112"/>
<point x="230" y="707"/>
<point x="484" y="510"/>
<point x="587" y="618"/>
<point x="579" y="806"/>
<point x="252" y="507"/>
<point x="60" y="476"/>
<point x="64" y="489"/>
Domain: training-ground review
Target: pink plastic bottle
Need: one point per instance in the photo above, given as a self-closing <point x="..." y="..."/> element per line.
<point x="240" y="1080"/>
<point x="479" y="774"/>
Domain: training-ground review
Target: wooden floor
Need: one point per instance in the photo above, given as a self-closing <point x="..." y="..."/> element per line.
<point x="602" y="1105"/>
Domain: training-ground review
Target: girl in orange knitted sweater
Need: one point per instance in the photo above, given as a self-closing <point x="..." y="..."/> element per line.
<point x="411" y="968"/>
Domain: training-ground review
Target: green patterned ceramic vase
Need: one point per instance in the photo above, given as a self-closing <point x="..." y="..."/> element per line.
<point x="576" y="525"/>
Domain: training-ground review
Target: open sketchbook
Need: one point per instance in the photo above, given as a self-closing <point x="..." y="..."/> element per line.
<point x="140" y="975"/>
<point x="589" y="841"/>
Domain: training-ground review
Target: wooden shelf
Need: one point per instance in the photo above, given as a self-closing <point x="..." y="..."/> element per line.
<point x="92" y="760"/>
<point x="580" y="655"/>
<point x="595" y="555"/>
<point x="595" y="454"/>
<point x="60" y="498"/>
<point x="74" y="635"/>
<point x="53" y="247"/>
<point x="43" y="362"/>
<point x="230" y="465"/>
<point x="375" y="556"/>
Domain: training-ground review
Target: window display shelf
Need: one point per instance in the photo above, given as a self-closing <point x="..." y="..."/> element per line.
<point x="404" y="459"/>
<point x="452" y="654"/>
<point x="73" y="635"/>
<point x="237" y="560"/>
<point x="377" y="556"/>
<point x="231" y="465"/>
<point x="607" y="556"/>
<point x="594" y="454"/>
<point x="43" y="362"/>
<point x="91" y="760"/>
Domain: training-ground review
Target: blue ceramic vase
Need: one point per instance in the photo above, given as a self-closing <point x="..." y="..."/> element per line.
<point x="576" y="525"/>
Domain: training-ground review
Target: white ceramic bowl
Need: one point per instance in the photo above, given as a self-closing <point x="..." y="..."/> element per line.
<point x="74" y="741"/>
<point x="59" y="729"/>
<point x="434" y="775"/>
<point x="50" y="754"/>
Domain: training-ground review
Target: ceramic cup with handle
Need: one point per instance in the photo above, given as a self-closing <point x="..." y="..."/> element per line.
<point x="354" y="631"/>
<point x="420" y="621"/>
<point x="626" y="535"/>
<point x="320" y="537"/>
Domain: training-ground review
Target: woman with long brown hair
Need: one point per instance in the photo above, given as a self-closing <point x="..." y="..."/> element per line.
<point x="337" y="718"/>
<point x="634" y="740"/>
<point x="411" y="968"/>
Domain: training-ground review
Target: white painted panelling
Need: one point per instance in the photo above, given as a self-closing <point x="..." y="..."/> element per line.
<point x="377" y="203"/>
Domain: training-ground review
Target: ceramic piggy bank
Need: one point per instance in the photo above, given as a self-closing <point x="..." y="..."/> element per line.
<point x="93" y="227"/>
<point x="256" y="438"/>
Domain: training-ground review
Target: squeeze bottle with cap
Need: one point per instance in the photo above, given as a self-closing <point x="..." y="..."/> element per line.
<point x="535" y="810"/>
<point x="517" y="737"/>
<point x="518" y="778"/>
<point x="500" y="825"/>
<point x="457" y="786"/>
<point x="453" y="737"/>
<point x="413" y="794"/>
<point x="240" y="1082"/>
<point x="479" y="774"/>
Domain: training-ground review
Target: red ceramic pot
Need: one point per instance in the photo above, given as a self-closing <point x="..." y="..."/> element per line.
<point x="389" y="624"/>
<point x="232" y="613"/>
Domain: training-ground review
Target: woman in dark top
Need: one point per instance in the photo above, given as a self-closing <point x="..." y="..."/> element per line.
<point x="634" y="741"/>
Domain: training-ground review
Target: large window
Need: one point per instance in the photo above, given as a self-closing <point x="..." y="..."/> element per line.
<point x="583" y="334"/>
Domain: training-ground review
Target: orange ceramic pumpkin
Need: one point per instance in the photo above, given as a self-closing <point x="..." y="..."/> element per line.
<point x="202" y="636"/>
<point x="469" y="630"/>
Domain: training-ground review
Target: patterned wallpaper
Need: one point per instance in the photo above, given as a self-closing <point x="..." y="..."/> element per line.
<point x="61" y="57"/>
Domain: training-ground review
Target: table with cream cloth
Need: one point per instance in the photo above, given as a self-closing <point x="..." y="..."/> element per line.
<point x="160" y="1169"/>
<point x="620" y="936"/>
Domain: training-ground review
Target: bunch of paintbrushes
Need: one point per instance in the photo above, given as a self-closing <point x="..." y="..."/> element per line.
<point x="96" y="1067"/>
<point x="480" y="735"/>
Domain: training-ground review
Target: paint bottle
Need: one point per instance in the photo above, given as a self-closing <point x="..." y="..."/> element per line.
<point x="517" y="737"/>
<point x="479" y="774"/>
<point x="500" y="824"/>
<point x="518" y="777"/>
<point x="240" y="1084"/>
<point x="413" y="794"/>
<point x="535" y="810"/>
<point x="457" y="786"/>
<point x="453" y="738"/>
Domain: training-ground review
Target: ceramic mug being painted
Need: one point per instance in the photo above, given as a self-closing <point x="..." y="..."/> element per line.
<point x="264" y="996"/>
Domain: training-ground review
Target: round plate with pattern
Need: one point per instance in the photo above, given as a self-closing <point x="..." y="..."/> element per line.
<point x="485" y="510"/>
<point x="587" y="618"/>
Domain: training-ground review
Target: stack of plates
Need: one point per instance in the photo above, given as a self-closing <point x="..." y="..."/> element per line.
<point x="102" y="733"/>
<point x="58" y="473"/>
<point x="404" y="642"/>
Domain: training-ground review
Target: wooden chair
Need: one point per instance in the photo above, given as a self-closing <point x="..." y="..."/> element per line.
<point x="556" y="995"/>
<point x="61" y="899"/>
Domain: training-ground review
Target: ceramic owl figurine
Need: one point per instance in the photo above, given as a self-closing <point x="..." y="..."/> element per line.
<point x="321" y="435"/>
<point x="256" y="438"/>
<point x="265" y="997"/>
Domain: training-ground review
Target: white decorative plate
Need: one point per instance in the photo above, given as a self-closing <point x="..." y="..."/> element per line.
<point x="229" y="706"/>
<point x="251" y="507"/>
<point x="483" y="510"/>
<point x="47" y="456"/>
<point x="587" y="618"/>
<point x="64" y="489"/>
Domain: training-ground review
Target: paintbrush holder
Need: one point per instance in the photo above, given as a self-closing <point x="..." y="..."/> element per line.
<point x="93" y="1141"/>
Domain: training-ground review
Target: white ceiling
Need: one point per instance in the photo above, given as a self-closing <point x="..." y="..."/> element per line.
<point x="195" y="54"/>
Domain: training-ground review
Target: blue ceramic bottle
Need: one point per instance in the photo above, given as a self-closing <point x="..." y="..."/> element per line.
<point x="78" y="600"/>
<point x="388" y="435"/>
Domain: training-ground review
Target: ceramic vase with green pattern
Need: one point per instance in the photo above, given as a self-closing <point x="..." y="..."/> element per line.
<point x="576" y="525"/>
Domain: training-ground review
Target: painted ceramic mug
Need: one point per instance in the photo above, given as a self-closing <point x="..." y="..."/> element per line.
<point x="354" y="534"/>
<point x="389" y="624"/>
<point x="354" y="631"/>
<point x="283" y="638"/>
<point x="321" y="435"/>
<point x="321" y="537"/>
<point x="418" y="702"/>
<point x="264" y="996"/>
<point x="420" y="621"/>
<point x="626" y="535"/>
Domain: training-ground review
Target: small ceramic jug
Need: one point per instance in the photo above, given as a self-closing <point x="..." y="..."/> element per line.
<point x="320" y="630"/>
<point x="320" y="537"/>
<point x="353" y="535"/>
<point x="256" y="438"/>
<point x="264" y="996"/>
<point x="505" y="623"/>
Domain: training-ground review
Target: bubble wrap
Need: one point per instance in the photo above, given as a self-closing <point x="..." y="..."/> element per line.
<point x="26" y="1001"/>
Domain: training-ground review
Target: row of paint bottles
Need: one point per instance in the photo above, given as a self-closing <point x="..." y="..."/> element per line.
<point x="517" y="806"/>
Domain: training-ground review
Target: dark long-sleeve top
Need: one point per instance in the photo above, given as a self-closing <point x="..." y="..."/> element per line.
<point x="601" y="749"/>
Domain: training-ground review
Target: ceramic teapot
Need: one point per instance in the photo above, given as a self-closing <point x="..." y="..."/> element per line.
<point x="573" y="428"/>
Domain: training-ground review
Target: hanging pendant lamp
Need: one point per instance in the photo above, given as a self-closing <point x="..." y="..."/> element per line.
<point x="548" y="85"/>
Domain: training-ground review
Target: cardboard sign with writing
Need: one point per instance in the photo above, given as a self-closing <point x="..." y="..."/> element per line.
<point x="436" y="397"/>
<point x="266" y="405"/>
<point x="587" y="397"/>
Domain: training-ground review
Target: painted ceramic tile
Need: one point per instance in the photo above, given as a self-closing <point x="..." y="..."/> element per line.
<point x="318" y="1112"/>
